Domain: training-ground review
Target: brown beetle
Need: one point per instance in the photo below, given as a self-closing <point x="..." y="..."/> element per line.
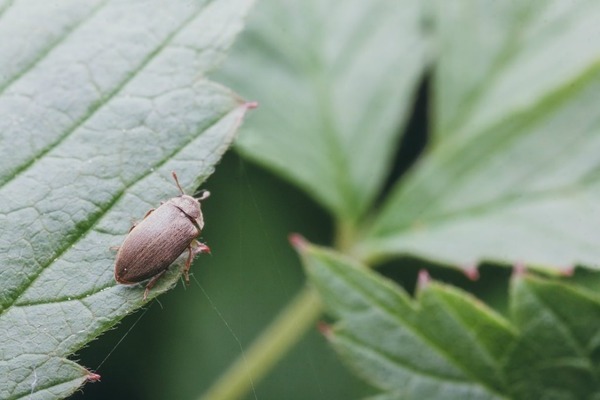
<point x="162" y="236"/>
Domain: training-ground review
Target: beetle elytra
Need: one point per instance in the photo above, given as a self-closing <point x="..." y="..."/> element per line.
<point x="160" y="238"/>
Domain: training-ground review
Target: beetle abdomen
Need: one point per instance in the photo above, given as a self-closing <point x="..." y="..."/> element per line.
<point x="154" y="244"/>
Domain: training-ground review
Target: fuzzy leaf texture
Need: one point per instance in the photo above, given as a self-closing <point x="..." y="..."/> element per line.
<point x="99" y="102"/>
<point x="446" y="344"/>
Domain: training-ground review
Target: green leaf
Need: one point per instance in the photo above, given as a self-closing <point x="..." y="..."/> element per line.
<point x="416" y="349"/>
<point x="496" y="59"/>
<point x="512" y="172"/>
<point x="446" y="344"/>
<point x="334" y="93"/>
<point x="104" y="101"/>
<point x="558" y="351"/>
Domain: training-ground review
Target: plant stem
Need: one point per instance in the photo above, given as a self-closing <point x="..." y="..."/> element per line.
<point x="344" y="236"/>
<point x="289" y="326"/>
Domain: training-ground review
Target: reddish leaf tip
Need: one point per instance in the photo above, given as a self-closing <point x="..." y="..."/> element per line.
<point x="93" y="377"/>
<point x="519" y="270"/>
<point x="568" y="270"/>
<point x="471" y="272"/>
<point x="298" y="241"/>
<point x="324" y="328"/>
<point x="251" y="105"/>
<point x="423" y="279"/>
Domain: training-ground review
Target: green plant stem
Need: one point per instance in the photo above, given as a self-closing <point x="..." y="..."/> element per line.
<point x="344" y="236"/>
<point x="289" y="326"/>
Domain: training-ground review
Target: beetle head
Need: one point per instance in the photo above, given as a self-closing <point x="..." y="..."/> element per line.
<point x="190" y="205"/>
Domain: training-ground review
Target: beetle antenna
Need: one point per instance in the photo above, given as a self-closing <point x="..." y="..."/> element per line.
<point x="202" y="195"/>
<point x="177" y="182"/>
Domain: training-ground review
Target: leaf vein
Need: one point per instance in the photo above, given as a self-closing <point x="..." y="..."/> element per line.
<point x="98" y="104"/>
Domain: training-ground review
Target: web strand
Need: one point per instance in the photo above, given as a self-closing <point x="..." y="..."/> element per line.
<point x="235" y="337"/>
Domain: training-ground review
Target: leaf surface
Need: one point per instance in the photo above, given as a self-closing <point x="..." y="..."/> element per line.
<point x="105" y="102"/>
<point x="558" y="350"/>
<point x="512" y="173"/>
<point x="334" y="93"/>
<point x="446" y="344"/>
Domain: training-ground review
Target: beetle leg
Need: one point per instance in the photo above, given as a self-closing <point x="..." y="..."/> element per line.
<point x="188" y="264"/>
<point x="152" y="282"/>
<point x="201" y="248"/>
<point x="194" y="249"/>
<point x="149" y="212"/>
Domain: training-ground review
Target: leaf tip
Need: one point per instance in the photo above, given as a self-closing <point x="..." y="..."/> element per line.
<point x="251" y="105"/>
<point x="298" y="242"/>
<point x="93" y="377"/>
<point x="325" y="329"/>
<point x="567" y="270"/>
<point x="519" y="270"/>
<point x="423" y="279"/>
<point x="471" y="272"/>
